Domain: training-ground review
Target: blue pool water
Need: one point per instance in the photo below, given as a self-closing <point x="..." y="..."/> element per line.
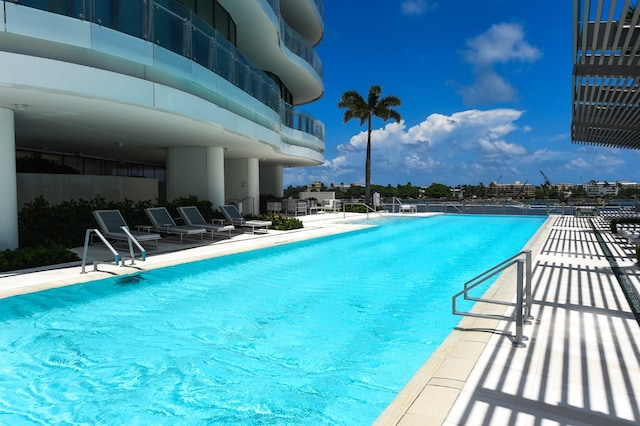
<point x="326" y="331"/>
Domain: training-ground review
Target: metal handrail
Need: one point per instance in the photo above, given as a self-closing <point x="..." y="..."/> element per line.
<point x="455" y="207"/>
<point x="86" y="249"/>
<point x="523" y="293"/>
<point x="131" y="240"/>
<point x="393" y="204"/>
<point x="369" y="209"/>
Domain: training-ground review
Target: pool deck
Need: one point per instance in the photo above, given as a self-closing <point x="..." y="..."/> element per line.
<point x="581" y="363"/>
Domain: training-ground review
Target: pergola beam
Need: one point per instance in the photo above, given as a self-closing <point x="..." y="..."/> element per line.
<point x="606" y="74"/>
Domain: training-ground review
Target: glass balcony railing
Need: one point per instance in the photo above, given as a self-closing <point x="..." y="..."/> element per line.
<point x="275" y="5"/>
<point x="302" y="121"/>
<point x="172" y="26"/>
<point x="301" y="47"/>
<point x="297" y="44"/>
<point x="320" y="7"/>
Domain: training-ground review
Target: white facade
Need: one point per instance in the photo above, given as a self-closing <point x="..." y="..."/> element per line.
<point x="211" y="110"/>
<point x="601" y="189"/>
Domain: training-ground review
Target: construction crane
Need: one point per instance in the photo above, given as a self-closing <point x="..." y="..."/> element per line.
<point x="547" y="182"/>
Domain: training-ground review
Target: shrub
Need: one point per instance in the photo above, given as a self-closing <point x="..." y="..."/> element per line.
<point x="355" y="208"/>
<point x="43" y="224"/>
<point x="265" y="199"/>
<point x="204" y="206"/>
<point x="45" y="230"/>
<point x="283" y="223"/>
<point x="30" y="257"/>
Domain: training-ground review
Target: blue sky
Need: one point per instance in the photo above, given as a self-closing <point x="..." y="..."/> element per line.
<point x="485" y="87"/>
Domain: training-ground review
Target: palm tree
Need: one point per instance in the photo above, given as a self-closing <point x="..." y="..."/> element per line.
<point x="631" y="11"/>
<point x="364" y="111"/>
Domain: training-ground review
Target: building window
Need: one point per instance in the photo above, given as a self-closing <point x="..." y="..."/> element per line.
<point x="55" y="163"/>
<point x="93" y="166"/>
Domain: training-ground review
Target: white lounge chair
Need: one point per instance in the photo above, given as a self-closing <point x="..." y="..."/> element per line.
<point x="112" y="223"/>
<point x="192" y="217"/>
<point x="164" y="223"/>
<point x="331" y="205"/>
<point x="408" y="208"/>
<point x="234" y="217"/>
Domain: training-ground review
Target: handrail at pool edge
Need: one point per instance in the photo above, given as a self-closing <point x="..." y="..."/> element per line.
<point x="523" y="293"/>
<point x="369" y="209"/>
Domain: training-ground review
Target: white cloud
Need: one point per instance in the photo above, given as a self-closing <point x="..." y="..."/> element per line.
<point x="593" y="165"/>
<point x="388" y="135"/>
<point x="414" y="161"/>
<point x="416" y="7"/>
<point x="579" y="163"/>
<point x="493" y="147"/>
<point x="465" y="147"/>
<point x="439" y="145"/>
<point x="488" y="87"/>
<point x="500" y="44"/>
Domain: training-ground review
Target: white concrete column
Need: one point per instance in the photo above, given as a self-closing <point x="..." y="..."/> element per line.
<point x="215" y="176"/>
<point x="253" y="182"/>
<point x="271" y="180"/>
<point x="8" y="189"/>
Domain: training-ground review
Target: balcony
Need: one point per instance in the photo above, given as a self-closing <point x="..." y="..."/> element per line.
<point x="171" y="26"/>
<point x="295" y="42"/>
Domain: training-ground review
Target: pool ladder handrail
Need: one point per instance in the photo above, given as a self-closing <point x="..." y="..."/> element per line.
<point x="523" y="293"/>
<point x="393" y="204"/>
<point x="117" y="259"/>
<point x="369" y="209"/>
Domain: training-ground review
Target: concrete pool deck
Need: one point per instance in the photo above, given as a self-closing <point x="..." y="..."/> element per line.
<point x="581" y="364"/>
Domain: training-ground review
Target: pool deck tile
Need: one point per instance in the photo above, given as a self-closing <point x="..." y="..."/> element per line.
<point x="581" y="363"/>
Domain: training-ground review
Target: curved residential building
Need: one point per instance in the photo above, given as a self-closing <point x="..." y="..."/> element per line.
<point x="146" y="99"/>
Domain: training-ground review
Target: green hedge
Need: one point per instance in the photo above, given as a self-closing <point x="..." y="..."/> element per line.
<point x="31" y="257"/>
<point x="282" y="223"/>
<point x="46" y="230"/>
<point x="43" y="224"/>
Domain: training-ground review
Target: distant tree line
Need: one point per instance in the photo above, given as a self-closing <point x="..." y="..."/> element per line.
<point x="441" y="191"/>
<point x="407" y="191"/>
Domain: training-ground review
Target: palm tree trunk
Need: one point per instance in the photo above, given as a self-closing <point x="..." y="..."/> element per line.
<point x="367" y="168"/>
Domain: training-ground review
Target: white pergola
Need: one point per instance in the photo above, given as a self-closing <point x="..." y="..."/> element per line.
<point x="606" y="73"/>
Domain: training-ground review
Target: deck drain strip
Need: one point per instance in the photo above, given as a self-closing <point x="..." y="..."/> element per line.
<point x="628" y="289"/>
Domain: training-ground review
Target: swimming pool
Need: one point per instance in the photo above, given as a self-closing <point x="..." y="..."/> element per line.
<point x="325" y="331"/>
